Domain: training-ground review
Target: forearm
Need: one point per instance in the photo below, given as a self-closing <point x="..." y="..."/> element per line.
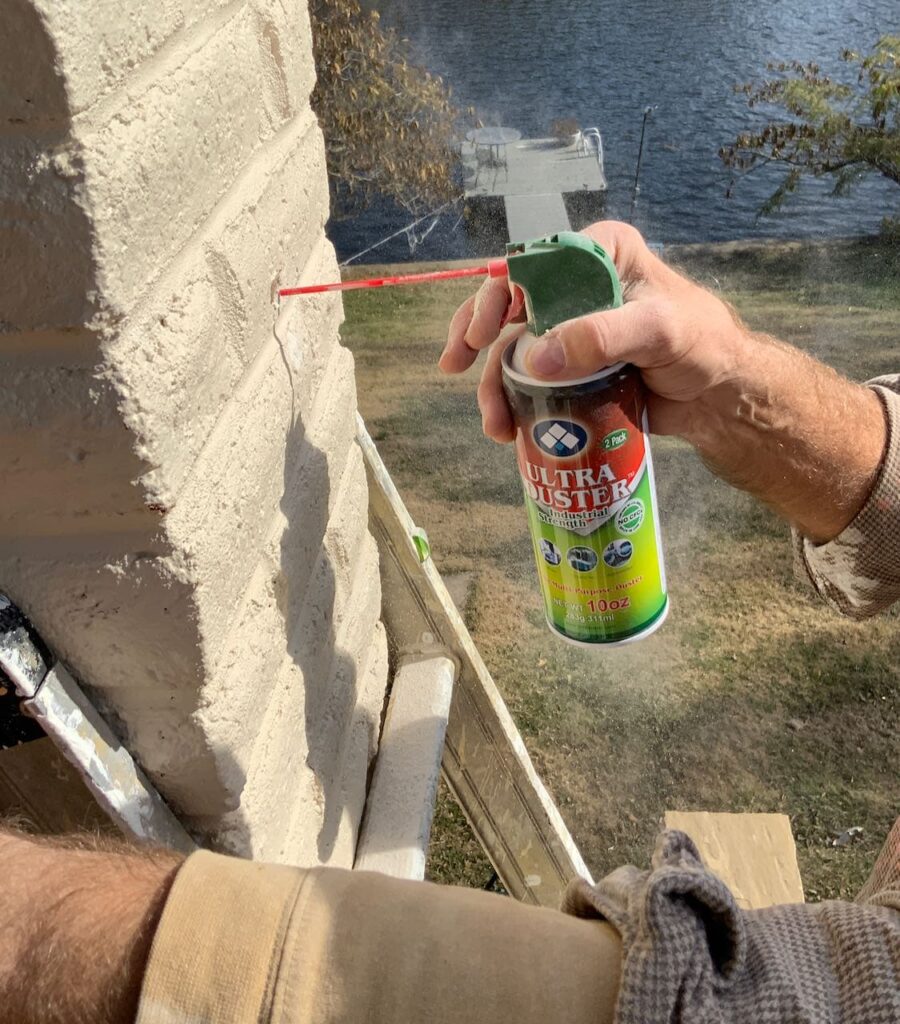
<point x="795" y="434"/>
<point x="76" y="926"/>
<point x="325" y="945"/>
<point x="764" y="416"/>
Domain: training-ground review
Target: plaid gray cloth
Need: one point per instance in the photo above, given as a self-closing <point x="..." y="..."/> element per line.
<point x="692" y="956"/>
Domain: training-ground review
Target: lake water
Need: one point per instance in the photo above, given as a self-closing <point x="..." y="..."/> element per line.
<point x="525" y="63"/>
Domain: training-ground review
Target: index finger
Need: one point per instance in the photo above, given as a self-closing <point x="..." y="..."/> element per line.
<point x="475" y="325"/>
<point x="627" y="249"/>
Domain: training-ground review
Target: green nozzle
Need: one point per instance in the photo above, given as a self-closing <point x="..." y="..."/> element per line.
<point x="563" y="276"/>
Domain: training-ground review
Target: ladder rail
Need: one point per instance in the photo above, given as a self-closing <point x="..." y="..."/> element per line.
<point x="485" y="762"/>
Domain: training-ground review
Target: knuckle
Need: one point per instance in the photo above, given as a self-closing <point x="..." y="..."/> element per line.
<point x="594" y="337"/>
<point x="627" y="233"/>
<point x="616" y="233"/>
<point x="626" y="246"/>
<point x="660" y="319"/>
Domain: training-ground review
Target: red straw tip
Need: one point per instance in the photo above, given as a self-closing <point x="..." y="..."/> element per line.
<point x="495" y="268"/>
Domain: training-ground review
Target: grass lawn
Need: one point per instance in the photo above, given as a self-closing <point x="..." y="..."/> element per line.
<point x="753" y="696"/>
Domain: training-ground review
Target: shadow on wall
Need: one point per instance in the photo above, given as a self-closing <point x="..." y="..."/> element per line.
<point x="47" y="271"/>
<point x="309" y="601"/>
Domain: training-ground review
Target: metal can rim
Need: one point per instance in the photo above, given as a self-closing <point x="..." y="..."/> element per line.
<point x="534" y="382"/>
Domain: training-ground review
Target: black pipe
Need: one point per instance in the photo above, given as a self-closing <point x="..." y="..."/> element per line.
<point x="648" y="112"/>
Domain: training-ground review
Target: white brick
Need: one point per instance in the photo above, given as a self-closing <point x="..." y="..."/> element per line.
<point x="346" y="795"/>
<point x="360" y="747"/>
<point x="189" y="524"/>
<point x="346" y="749"/>
<point x="116" y="605"/>
<point x="318" y="727"/>
<point x="104" y="47"/>
<point x="91" y="48"/>
<point x="178" y="362"/>
<point x="280" y="598"/>
<point x="188" y="344"/>
<point x="160" y="160"/>
<point x="223" y="513"/>
<point x="280" y="234"/>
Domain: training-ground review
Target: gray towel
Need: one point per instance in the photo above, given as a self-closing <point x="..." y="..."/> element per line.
<point x="692" y="956"/>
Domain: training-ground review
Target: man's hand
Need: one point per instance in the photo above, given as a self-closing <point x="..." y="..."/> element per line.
<point x="683" y="338"/>
<point x="765" y="416"/>
<point x="76" y="924"/>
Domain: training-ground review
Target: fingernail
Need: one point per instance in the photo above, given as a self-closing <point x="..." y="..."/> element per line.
<point x="547" y="358"/>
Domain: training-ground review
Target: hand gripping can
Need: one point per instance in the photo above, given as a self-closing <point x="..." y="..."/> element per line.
<point x="584" y="458"/>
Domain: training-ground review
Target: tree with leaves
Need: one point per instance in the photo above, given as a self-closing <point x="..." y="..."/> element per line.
<point x="835" y="130"/>
<point x="390" y="126"/>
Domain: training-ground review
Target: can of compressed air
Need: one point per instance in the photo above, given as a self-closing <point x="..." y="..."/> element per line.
<point x="584" y="457"/>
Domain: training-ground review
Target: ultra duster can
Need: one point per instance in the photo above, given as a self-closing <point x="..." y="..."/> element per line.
<point x="584" y="458"/>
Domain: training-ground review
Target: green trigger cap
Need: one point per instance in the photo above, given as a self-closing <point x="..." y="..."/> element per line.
<point x="562" y="276"/>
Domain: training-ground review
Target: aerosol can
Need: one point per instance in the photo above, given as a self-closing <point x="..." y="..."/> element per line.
<point x="584" y="458"/>
<point x="582" y="449"/>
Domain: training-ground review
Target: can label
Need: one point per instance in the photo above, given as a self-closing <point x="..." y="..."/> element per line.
<point x="586" y="469"/>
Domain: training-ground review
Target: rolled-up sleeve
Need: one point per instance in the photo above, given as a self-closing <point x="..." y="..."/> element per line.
<point x="242" y="942"/>
<point x="858" y="573"/>
<point x="217" y="948"/>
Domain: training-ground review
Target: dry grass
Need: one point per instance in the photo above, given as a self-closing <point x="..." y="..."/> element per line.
<point x="754" y="696"/>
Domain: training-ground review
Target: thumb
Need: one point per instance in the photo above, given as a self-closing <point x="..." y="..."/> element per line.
<point x="638" y="332"/>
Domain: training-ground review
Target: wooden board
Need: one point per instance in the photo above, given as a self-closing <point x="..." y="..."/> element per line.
<point x="485" y="762"/>
<point x="39" y="785"/>
<point x="754" y="854"/>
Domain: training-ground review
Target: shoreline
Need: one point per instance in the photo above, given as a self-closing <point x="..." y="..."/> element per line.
<point x="687" y="250"/>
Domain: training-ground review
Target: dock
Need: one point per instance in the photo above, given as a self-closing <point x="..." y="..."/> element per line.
<point x="535" y="215"/>
<point x="532" y="177"/>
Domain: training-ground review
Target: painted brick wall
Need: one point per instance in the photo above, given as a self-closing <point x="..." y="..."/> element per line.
<point x="183" y="508"/>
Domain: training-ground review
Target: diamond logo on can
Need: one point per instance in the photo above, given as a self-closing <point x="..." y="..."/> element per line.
<point x="559" y="438"/>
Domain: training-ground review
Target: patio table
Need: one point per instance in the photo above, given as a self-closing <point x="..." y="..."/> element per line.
<point x="494" y="139"/>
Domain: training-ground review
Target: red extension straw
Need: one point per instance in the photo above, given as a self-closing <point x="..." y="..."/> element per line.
<point x="496" y="268"/>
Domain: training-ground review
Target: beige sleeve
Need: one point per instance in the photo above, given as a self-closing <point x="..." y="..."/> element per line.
<point x="271" y="945"/>
<point x="858" y="572"/>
